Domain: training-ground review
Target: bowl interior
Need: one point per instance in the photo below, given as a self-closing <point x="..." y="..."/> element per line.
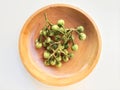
<point x="84" y="57"/>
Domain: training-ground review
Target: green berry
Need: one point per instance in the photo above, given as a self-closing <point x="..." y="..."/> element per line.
<point x="80" y="28"/>
<point x="55" y="46"/>
<point x="44" y="33"/>
<point x="65" y="46"/>
<point x="61" y="29"/>
<point x="82" y="36"/>
<point x="66" y="59"/>
<point x="46" y="54"/>
<point x="38" y="45"/>
<point x="46" y="62"/>
<point x="57" y="37"/>
<point x="75" y="47"/>
<point x="70" y="55"/>
<point x="59" y="58"/>
<point x="44" y="44"/>
<point x="65" y="51"/>
<point x="48" y="48"/>
<point x="51" y="33"/>
<point x="60" y="22"/>
<point x="55" y="27"/>
<point x="60" y="47"/>
<point x="48" y="40"/>
<point x="59" y="52"/>
<point x="53" y="62"/>
<point x="58" y="64"/>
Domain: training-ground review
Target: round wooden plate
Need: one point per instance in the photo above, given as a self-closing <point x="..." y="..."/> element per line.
<point x="84" y="59"/>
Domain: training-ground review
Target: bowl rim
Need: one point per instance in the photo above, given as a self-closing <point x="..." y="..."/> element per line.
<point x="30" y="66"/>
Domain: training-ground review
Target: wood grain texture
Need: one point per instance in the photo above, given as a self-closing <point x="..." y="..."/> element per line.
<point x="84" y="59"/>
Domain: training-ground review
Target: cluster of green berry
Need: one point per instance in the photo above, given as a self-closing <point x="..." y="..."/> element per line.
<point x="56" y="39"/>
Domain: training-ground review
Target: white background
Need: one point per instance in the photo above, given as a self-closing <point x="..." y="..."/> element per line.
<point x="14" y="13"/>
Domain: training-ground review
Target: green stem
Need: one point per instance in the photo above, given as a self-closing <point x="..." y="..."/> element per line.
<point x="54" y="43"/>
<point x="46" y="19"/>
<point x="68" y="36"/>
<point x="63" y="52"/>
<point x="76" y="31"/>
<point x="40" y="38"/>
<point x="53" y="53"/>
<point x="72" y="42"/>
<point x="60" y="31"/>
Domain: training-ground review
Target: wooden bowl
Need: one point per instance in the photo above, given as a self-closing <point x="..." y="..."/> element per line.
<point x="84" y="59"/>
